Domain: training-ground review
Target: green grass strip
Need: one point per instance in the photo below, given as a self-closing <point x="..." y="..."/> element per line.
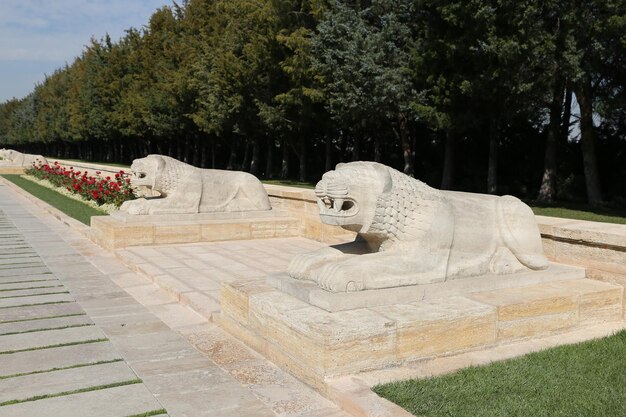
<point x="581" y="380"/>
<point x="82" y="342"/>
<point x="73" y="208"/>
<point x="30" y="288"/>
<point x="34" y="295"/>
<point x="21" y="275"/>
<point x="569" y="213"/>
<point x="22" y="265"/>
<point x="150" y="413"/>
<point x="76" y="391"/>
<point x="37" y="304"/>
<point x="32" y="280"/>
<point x="43" y="318"/>
<point x="69" y="326"/>
<point x="44" y="371"/>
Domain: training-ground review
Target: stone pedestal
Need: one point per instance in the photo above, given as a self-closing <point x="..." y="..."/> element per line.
<point x="122" y="229"/>
<point x="11" y="169"/>
<point x="366" y="334"/>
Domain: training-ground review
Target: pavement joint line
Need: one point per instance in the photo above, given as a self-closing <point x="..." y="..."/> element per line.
<point x="69" y="326"/>
<point x="34" y="280"/>
<point x="37" y="304"/>
<point x="21" y="275"/>
<point x="19" y="265"/>
<point x="63" y="368"/>
<point x="33" y="295"/>
<point x="43" y="318"/>
<point x="76" y="391"/>
<point x="162" y="411"/>
<point x="30" y="288"/>
<point x="81" y="342"/>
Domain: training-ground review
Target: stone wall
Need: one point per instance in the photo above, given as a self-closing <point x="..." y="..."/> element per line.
<point x="598" y="247"/>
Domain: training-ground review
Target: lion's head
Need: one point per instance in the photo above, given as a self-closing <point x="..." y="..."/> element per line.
<point x="158" y="173"/>
<point x="348" y="196"/>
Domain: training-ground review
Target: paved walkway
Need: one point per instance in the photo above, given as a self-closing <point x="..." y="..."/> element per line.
<point x="82" y="335"/>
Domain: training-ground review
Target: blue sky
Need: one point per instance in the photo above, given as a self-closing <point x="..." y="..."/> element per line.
<point x="38" y="36"/>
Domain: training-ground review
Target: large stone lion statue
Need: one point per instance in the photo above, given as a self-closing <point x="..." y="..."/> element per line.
<point x="410" y="233"/>
<point x="187" y="189"/>
<point x="26" y="160"/>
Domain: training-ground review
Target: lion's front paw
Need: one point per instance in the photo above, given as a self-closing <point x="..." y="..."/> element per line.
<point x="139" y="206"/>
<point x="301" y="265"/>
<point x="340" y="277"/>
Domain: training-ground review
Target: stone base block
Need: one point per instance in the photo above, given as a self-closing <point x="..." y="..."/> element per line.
<point x="122" y="230"/>
<point x="310" y="293"/>
<point x="316" y="344"/>
<point x="8" y="169"/>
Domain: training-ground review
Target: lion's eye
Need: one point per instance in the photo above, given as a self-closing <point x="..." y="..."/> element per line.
<point x="142" y="175"/>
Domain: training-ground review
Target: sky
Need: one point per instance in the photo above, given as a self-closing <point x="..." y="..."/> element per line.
<point x="39" y="36"/>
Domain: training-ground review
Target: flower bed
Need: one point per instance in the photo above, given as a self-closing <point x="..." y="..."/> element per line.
<point x="101" y="190"/>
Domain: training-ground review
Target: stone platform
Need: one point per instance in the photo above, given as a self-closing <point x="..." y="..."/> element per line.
<point x="315" y="344"/>
<point x="122" y="229"/>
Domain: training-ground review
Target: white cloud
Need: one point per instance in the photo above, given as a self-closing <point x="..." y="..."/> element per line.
<point x="56" y="31"/>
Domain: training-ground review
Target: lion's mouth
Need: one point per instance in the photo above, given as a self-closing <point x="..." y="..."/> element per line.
<point x="337" y="206"/>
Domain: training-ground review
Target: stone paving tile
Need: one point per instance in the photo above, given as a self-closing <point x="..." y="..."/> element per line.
<point x="55" y="323"/>
<point x="113" y="402"/>
<point x="188" y="382"/>
<point x="39" y="311"/>
<point x="27" y="278"/>
<point x="22" y="293"/>
<point x="27" y="386"/>
<point x="61" y="357"/>
<point x="50" y="337"/>
<point x="35" y="299"/>
<point x="30" y="285"/>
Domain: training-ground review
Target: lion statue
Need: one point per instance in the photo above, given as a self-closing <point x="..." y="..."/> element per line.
<point x="410" y="233"/>
<point x="187" y="189"/>
<point x="26" y="160"/>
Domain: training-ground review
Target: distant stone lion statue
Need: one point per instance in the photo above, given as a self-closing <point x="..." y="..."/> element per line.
<point x="187" y="189"/>
<point x="410" y="233"/>
<point x="26" y="160"/>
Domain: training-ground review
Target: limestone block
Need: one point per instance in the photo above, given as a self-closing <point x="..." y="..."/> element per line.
<point x="598" y="301"/>
<point x="186" y="189"/>
<point x="225" y="231"/>
<point x="234" y="298"/>
<point x="439" y="326"/>
<point x="179" y="232"/>
<point x="416" y="235"/>
<point x="329" y="343"/>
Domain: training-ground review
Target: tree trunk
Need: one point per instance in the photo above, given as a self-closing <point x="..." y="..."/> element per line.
<point x="328" y="162"/>
<point x="204" y="151"/>
<point x="284" y="169"/>
<point x="378" y="155"/>
<point x="405" y="142"/>
<point x="447" y="179"/>
<point x="356" y="148"/>
<point x="245" y="164"/>
<point x="567" y="115"/>
<point x="254" y="163"/>
<point x="269" y="162"/>
<point x="584" y="96"/>
<point x="302" y="155"/>
<point x="196" y="151"/>
<point x="213" y="153"/>
<point x="233" y="155"/>
<point x="492" y="171"/>
<point x="547" y="191"/>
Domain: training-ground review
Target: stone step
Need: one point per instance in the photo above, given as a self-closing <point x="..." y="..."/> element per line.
<point x="540" y="309"/>
<point x="316" y="344"/>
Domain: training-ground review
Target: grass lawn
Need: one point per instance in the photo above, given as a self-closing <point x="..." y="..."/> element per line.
<point x="583" y="380"/>
<point x="76" y="209"/>
<point x="569" y="213"/>
<point x="290" y="183"/>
